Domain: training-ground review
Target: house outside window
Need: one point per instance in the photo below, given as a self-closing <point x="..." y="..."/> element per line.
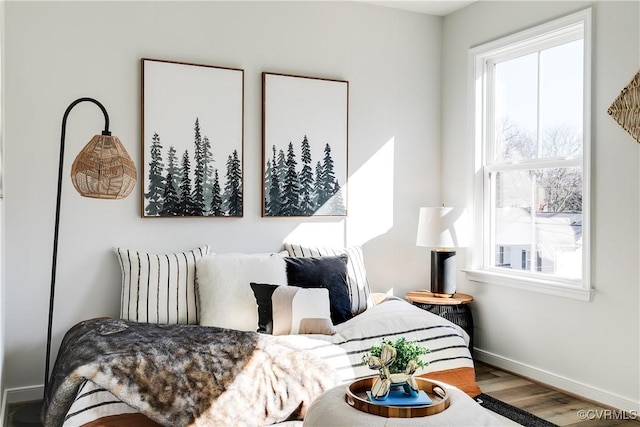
<point x="532" y="136"/>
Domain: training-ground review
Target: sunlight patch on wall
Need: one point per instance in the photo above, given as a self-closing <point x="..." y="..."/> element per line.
<point x="371" y="197"/>
<point x="369" y="207"/>
<point x="330" y="234"/>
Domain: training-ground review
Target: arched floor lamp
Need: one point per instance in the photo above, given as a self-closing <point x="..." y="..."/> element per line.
<point x="102" y="170"/>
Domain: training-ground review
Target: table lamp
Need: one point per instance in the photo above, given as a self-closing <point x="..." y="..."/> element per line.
<point x="443" y="229"/>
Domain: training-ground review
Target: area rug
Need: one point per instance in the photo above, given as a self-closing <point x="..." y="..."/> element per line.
<point x="515" y="414"/>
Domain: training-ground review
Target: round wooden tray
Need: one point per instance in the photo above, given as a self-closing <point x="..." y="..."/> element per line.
<point x="356" y="396"/>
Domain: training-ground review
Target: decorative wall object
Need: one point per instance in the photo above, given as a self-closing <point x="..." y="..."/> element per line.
<point x="192" y="140"/>
<point x="626" y="108"/>
<point x="305" y="134"/>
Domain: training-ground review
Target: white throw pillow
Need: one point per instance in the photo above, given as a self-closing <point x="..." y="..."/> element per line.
<point x="359" y="290"/>
<point x="226" y="298"/>
<point x="159" y="288"/>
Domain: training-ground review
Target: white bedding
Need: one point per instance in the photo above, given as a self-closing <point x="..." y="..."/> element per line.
<point x="392" y="319"/>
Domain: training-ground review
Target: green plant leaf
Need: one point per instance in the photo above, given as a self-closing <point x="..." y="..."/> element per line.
<point x="406" y="351"/>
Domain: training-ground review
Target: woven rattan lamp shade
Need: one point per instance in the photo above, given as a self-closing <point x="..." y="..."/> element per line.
<point x="103" y="169"/>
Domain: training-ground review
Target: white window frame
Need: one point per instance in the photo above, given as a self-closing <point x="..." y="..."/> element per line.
<point x="565" y="29"/>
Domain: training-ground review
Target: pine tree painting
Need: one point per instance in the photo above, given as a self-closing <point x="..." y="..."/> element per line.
<point x="300" y="192"/>
<point x="192" y="140"/>
<point x="305" y="146"/>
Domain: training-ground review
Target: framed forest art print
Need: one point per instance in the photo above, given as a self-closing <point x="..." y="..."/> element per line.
<point x="305" y="137"/>
<point x="192" y="140"/>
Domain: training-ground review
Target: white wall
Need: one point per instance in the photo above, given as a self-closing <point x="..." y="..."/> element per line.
<point x="59" y="51"/>
<point x="2" y="217"/>
<point x="591" y="348"/>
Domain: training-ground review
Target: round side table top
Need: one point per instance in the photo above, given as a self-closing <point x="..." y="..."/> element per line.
<point x="332" y="409"/>
<point x="426" y="297"/>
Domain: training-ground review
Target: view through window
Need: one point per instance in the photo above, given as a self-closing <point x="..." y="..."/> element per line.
<point x="534" y="190"/>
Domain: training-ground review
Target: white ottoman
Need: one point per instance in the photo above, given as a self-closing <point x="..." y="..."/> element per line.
<point x="331" y="410"/>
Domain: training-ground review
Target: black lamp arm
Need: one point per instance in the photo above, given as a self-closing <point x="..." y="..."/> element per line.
<point x="57" y="221"/>
<point x="78" y="101"/>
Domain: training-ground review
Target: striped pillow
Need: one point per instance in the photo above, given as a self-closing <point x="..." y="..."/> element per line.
<point x="359" y="290"/>
<point x="159" y="288"/>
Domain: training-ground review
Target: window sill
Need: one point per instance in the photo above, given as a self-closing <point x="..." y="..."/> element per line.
<point x="548" y="287"/>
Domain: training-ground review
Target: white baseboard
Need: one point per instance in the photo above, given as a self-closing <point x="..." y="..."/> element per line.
<point x="23" y="394"/>
<point x="17" y="395"/>
<point x="572" y="386"/>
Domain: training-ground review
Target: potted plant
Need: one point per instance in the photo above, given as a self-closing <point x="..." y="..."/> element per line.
<point x="396" y="361"/>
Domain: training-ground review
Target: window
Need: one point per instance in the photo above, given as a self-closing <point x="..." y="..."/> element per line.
<point x="532" y="131"/>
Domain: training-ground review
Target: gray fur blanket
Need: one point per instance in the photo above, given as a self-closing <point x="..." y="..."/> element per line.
<point x="185" y="375"/>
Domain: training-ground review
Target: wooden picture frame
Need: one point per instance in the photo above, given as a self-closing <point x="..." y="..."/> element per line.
<point x="192" y="140"/>
<point x="305" y="145"/>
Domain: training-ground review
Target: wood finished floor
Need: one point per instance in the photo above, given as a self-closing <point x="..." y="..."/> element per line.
<point x="547" y="403"/>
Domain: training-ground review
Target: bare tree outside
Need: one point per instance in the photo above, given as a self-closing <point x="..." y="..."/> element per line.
<point x="562" y="187"/>
<point x="540" y="197"/>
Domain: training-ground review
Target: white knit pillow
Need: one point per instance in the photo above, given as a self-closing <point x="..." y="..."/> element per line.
<point x="226" y="298"/>
<point x="359" y="290"/>
<point x="159" y="288"/>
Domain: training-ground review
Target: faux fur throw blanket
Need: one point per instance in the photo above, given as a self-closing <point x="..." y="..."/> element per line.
<point x="185" y="375"/>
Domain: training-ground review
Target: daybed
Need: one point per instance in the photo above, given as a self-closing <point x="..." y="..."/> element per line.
<point x="185" y="351"/>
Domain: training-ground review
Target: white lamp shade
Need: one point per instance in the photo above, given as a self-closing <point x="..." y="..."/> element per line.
<point x="443" y="228"/>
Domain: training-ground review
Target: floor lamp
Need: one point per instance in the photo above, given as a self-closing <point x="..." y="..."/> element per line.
<point x="102" y="170"/>
<point x="443" y="229"/>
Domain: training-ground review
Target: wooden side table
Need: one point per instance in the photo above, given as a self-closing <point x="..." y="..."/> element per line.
<point x="455" y="309"/>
